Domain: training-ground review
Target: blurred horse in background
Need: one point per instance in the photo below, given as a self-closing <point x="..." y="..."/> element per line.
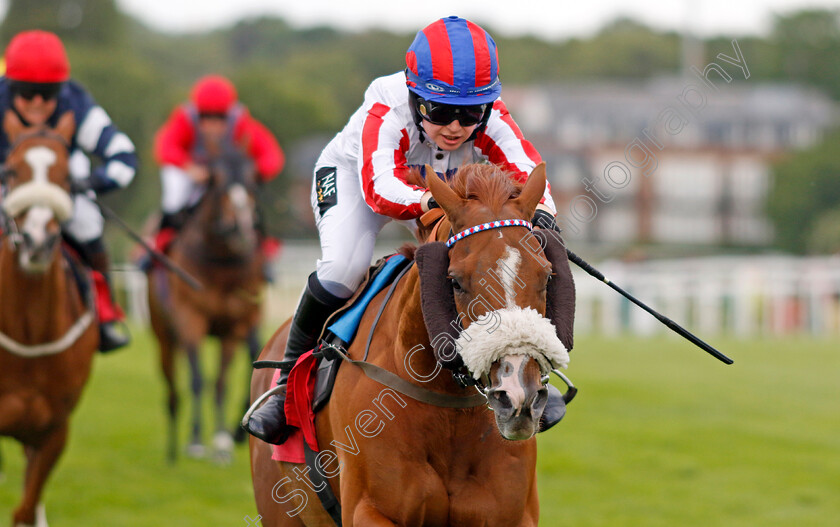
<point x="48" y="334"/>
<point x="218" y="245"/>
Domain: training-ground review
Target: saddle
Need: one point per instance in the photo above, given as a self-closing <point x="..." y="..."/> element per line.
<point x="313" y="376"/>
<point x="340" y="329"/>
<point x="308" y="391"/>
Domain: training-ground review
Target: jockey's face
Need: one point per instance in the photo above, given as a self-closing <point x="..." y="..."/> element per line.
<point x="449" y="136"/>
<point x="212" y="128"/>
<point x="35" y="111"/>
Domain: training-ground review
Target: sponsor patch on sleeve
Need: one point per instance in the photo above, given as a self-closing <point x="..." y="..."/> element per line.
<point x="325" y="186"/>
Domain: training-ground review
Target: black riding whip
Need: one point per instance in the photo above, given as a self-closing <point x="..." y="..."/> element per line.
<point x="662" y="318"/>
<point x="157" y="255"/>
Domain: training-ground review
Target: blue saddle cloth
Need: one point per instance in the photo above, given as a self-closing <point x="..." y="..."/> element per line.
<point x="341" y="333"/>
<point x="347" y="325"/>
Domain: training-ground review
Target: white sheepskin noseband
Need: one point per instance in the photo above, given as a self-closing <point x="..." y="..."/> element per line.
<point x="39" y="193"/>
<point x="511" y="331"/>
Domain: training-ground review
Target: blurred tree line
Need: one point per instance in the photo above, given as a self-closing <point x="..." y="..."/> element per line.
<point x="305" y="83"/>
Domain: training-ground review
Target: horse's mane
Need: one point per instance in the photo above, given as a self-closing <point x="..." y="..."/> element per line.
<point x="486" y="183"/>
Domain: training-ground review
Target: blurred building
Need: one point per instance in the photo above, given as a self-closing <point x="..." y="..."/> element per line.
<point x="706" y="151"/>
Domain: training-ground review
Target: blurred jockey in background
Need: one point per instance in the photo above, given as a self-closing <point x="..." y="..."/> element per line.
<point x="443" y="110"/>
<point x="212" y="120"/>
<point x="37" y="87"/>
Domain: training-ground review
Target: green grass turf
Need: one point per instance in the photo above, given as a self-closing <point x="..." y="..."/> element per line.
<point x="660" y="434"/>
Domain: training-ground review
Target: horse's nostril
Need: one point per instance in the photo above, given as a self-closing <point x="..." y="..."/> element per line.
<point x="502" y="398"/>
<point x="540" y="398"/>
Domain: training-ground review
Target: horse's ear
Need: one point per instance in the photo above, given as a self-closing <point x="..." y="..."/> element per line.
<point x="448" y="200"/>
<point x="66" y="126"/>
<point x="533" y="191"/>
<point x="12" y="125"/>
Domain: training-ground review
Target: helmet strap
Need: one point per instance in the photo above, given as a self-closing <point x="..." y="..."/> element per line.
<point x="415" y="113"/>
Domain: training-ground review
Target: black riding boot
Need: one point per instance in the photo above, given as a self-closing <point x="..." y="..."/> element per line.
<point x="316" y="305"/>
<point x="555" y="409"/>
<point x="171" y="220"/>
<point x="110" y="338"/>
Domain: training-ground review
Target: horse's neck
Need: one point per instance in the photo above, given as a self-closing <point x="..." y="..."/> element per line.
<point x="200" y="241"/>
<point x="33" y="308"/>
<point x="208" y="252"/>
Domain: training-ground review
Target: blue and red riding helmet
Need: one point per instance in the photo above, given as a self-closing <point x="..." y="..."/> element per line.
<point x="453" y="61"/>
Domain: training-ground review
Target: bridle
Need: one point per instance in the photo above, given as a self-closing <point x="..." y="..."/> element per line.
<point x="8" y="227"/>
<point x="43" y="133"/>
<point x="226" y="171"/>
<point x="461" y="376"/>
<point x="496" y="224"/>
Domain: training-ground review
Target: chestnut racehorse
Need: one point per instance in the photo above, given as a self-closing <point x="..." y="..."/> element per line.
<point x="219" y="246"/>
<point x="48" y="335"/>
<point x="393" y="460"/>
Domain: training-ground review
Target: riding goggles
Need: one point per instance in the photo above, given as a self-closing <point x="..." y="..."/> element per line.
<point x="213" y="115"/>
<point x="442" y="114"/>
<point x="29" y="90"/>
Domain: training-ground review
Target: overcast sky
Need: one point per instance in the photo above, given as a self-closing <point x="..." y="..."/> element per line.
<point x="553" y="19"/>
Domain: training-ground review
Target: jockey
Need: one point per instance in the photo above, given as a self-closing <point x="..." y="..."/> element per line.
<point x="38" y="88"/>
<point x="211" y="121"/>
<point x="443" y="110"/>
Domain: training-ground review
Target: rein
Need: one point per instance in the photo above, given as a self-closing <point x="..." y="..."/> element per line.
<point x="49" y="348"/>
<point x="31" y="351"/>
<point x="387" y="378"/>
<point x="394" y="381"/>
<point x="398" y="384"/>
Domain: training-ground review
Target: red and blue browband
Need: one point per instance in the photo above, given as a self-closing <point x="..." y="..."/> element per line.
<point x="486" y="227"/>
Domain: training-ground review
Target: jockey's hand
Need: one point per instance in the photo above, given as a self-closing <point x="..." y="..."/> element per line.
<point x="80" y="185"/>
<point x="198" y="173"/>
<point x="544" y="219"/>
<point x="427" y="201"/>
<point x="84" y="186"/>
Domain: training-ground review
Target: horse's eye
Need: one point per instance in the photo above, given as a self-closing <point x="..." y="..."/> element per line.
<point x="456" y="285"/>
<point x="547" y="280"/>
<point x="6" y="174"/>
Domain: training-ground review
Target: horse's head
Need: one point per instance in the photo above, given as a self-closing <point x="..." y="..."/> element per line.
<point x="497" y="275"/>
<point x="233" y="203"/>
<point x="36" y="186"/>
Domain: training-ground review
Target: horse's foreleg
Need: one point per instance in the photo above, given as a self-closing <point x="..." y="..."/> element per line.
<point x="227" y="348"/>
<point x="40" y="461"/>
<point x="222" y="440"/>
<point x="254" y="349"/>
<point x="195" y="448"/>
<point x="167" y="364"/>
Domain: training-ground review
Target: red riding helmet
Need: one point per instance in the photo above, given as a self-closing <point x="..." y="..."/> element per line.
<point x="213" y="94"/>
<point x="37" y="56"/>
